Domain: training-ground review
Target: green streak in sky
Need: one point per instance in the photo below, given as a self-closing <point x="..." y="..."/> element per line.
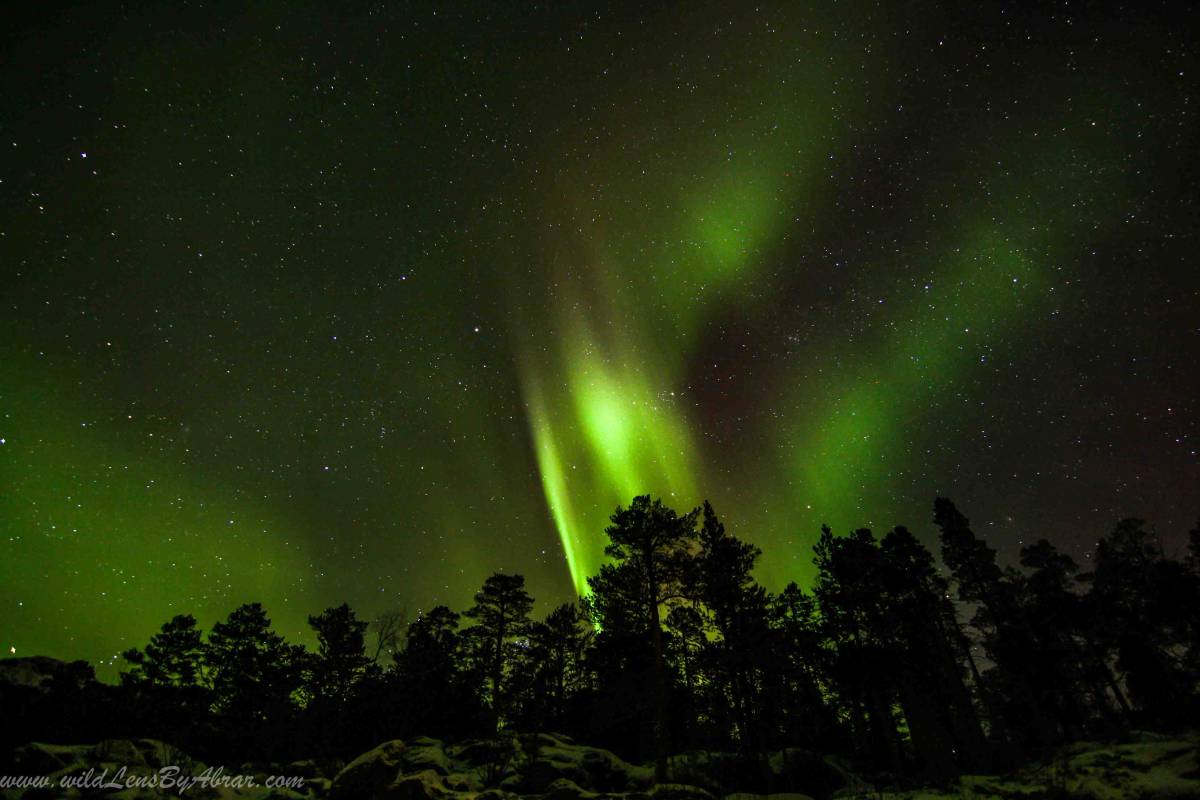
<point x="624" y="435"/>
<point x="666" y="234"/>
<point x="554" y="485"/>
<point x="136" y="536"/>
<point x="846" y="452"/>
<point x="686" y="220"/>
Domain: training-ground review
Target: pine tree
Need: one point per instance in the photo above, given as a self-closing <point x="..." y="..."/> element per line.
<point x="557" y="648"/>
<point x="174" y="656"/>
<point x="651" y="546"/>
<point x="341" y="659"/>
<point x="255" y="675"/>
<point x="501" y="612"/>
<point x="801" y="672"/>
<point x="434" y="695"/>
<point x="855" y="618"/>
<point x="943" y="722"/>
<point x="1015" y="694"/>
<point x="1139" y="602"/>
<point x="723" y="583"/>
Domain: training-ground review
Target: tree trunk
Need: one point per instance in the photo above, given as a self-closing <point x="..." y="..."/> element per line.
<point x="660" y="704"/>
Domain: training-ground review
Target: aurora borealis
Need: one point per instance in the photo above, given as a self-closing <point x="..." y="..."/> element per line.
<point x="310" y="304"/>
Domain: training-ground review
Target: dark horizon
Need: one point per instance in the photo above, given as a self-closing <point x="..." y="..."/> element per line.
<point x="898" y="670"/>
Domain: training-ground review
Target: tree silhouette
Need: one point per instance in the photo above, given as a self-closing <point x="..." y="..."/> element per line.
<point x="801" y="673"/>
<point x="737" y="606"/>
<point x="256" y="676"/>
<point x="942" y="720"/>
<point x="855" y="617"/>
<point x="558" y="645"/>
<point x="678" y="648"/>
<point x="389" y="628"/>
<point x="433" y="695"/>
<point x="651" y="546"/>
<point x="167" y="683"/>
<point x="501" y="612"/>
<point x="341" y="660"/>
<point x="1020" y="709"/>
<point x="174" y="657"/>
<point x="1138" y="592"/>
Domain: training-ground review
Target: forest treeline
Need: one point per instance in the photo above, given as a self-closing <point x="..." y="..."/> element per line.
<point x="909" y="668"/>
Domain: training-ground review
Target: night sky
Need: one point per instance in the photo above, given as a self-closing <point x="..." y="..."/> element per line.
<point x="308" y="304"/>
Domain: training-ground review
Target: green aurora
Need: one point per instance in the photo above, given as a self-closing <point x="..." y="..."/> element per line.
<point x="364" y="308"/>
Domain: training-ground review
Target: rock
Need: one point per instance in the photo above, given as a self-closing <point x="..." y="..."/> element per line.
<point x="318" y="786"/>
<point x="719" y="773"/>
<point x="555" y="757"/>
<point x="543" y="772"/>
<point x="424" y="785"/>
<point x="609" y="772"/>
<point x="36" y="758"/>
<point x="42" y="672"/>
<point x="680" y="791"/>
<point x="158" y="754"/>
<point x="119" y="751"/>
<point x="478" y="752"/>
<point x="791" y="770"/>
<point x="370" y="774"/>
<point x="484" y="763"/>
<point x="563" y="789"/>
<point x="1144" y="768"/>
<point x="463" y="782"/>
<point x="552" y="740"/>
<point x="495" y="794"/>
<point x="282" y="794"/>
<point x="797" y="770"/>
<point x="425" y="753"/>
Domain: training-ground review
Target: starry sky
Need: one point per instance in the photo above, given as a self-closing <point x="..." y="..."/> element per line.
<point x="311" y="303"/>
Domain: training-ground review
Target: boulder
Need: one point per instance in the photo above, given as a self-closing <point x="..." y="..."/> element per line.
<point x="277" y="794"/>
<point x="425" y="753"/>
<point x="543" y="772"/>
<point x="717" y="772"/>
<point x="119" y="751"/>
<point x="563" y="789"/>
<point x="43" y="672"/>
<point x="370" y="774"/>
<point x="37" y="758"/>
<point x="797" y="770"/>
<point x="609" y="772"/>
<point x="679" y="791"/>
<point x="478" y="752"/>
<point x="486" y="762"/>
<point x="495" y="794"/>
<point x="156" y="754"/>
<point x="424" y="785"/>
<point x="463" y="782"/>
<point x="555" y="757"/>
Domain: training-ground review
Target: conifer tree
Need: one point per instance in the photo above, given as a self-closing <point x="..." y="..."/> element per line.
<point x="651" y="547"/>
<point x="501" y="612"/>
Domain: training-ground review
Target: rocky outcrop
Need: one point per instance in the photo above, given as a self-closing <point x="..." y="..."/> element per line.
<point x="140" y="754"/>
<point x="553" y="767"/>
<point x="43" y="672"/>
<point x="369" y="772"/>
<point x="553" y="757"/>
<point x="793" y="770"/>
<point x="1151" y="767"/>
